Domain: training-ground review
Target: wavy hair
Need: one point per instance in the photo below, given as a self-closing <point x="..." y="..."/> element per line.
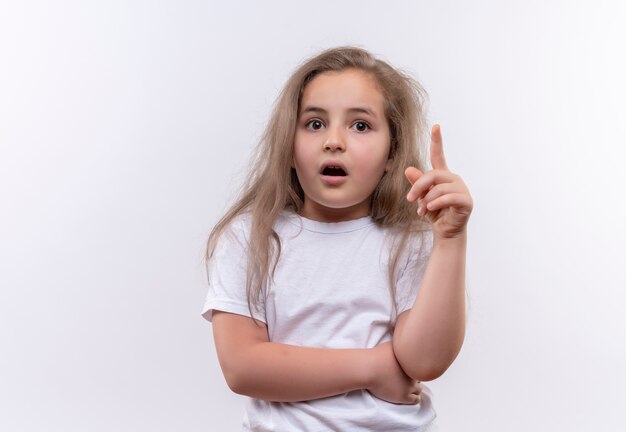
<point x="272" y="184"/>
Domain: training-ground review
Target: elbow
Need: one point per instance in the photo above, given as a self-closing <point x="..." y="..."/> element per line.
<point x="420" y="368"/>
<point x="235" y="380"/>
<point x="423" y="372"/>
<point x="234" y="384"/>
<point x="238" y="384"/>
<point x="427" y="374"/>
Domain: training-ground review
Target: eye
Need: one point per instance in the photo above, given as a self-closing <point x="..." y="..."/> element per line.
<point x="316" y="122"/>
<point x="362" y="126"/>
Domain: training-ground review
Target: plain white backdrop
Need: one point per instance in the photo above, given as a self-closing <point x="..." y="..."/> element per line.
<point x="126" y="127"/>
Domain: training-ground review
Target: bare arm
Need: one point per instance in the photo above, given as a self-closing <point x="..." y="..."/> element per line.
<point x="255" y="367"/>
<point x="429" y="336"/>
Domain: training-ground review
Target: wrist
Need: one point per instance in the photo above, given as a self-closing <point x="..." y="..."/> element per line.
<point x="458" y="239"/>
<point x="368" y="368"/>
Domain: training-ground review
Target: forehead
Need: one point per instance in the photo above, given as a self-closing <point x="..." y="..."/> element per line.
<point x="343" y="90"/>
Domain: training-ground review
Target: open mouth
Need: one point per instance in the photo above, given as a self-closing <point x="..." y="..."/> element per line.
<point x="333" y="171"/>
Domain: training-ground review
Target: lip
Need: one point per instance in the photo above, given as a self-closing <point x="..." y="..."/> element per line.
<point x="335" y="163"/>
<point x="333" y="180"/>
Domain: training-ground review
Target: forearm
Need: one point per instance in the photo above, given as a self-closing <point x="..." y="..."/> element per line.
<point x="429" y="338"/>
<point x="289" y="373"/>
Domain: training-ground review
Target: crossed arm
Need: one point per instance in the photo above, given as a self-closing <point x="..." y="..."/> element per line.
<point x="255" y="367"/>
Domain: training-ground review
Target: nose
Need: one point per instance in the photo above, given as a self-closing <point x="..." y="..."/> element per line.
<point x="334" y="141"/>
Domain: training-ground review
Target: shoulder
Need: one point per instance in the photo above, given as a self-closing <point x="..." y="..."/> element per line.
<point x="412" y="241"/>
<point x="240" y="226"/>
<point x="237" y="230"/>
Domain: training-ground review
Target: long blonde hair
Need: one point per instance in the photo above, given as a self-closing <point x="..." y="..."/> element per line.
<point x="272" y="184"/>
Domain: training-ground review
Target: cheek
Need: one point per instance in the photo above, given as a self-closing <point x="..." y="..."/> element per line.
<point x="303" y="159"/>
<point x="372" y="161"/>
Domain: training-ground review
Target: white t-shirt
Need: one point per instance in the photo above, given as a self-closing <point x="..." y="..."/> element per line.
<point x="330" y="290"/>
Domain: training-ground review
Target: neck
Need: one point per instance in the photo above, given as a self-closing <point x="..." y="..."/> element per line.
<point x="328" y="214"/>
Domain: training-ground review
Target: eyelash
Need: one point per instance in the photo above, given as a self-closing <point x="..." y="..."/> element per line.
<point x="360" y="121"/>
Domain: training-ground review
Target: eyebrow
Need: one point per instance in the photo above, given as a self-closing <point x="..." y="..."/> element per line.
<point x="364" y="110"/>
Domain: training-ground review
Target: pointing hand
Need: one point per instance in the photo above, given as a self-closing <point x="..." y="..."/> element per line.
<point x="442" y="195"/>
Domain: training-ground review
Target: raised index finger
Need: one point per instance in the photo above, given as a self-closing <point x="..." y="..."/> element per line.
<point x="437" y="158"/>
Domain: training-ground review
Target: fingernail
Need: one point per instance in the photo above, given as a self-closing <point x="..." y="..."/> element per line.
<point x="409" y="196"/>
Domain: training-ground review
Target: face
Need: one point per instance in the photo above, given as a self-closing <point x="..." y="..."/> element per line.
<point x="341" y="123"/>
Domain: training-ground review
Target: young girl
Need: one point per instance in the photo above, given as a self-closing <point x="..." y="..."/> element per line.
<point x="332" y="292"/>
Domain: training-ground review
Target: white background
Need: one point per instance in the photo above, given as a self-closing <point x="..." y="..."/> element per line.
<point x="126" y="126"/>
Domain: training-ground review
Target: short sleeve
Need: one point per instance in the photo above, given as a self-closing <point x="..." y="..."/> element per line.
<point x="410" y="279"/>
<point x="227" y="275"/>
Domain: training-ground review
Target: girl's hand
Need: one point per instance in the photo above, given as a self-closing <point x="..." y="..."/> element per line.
<point x="442" y="196"/>
<point x="389" y="382"/>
